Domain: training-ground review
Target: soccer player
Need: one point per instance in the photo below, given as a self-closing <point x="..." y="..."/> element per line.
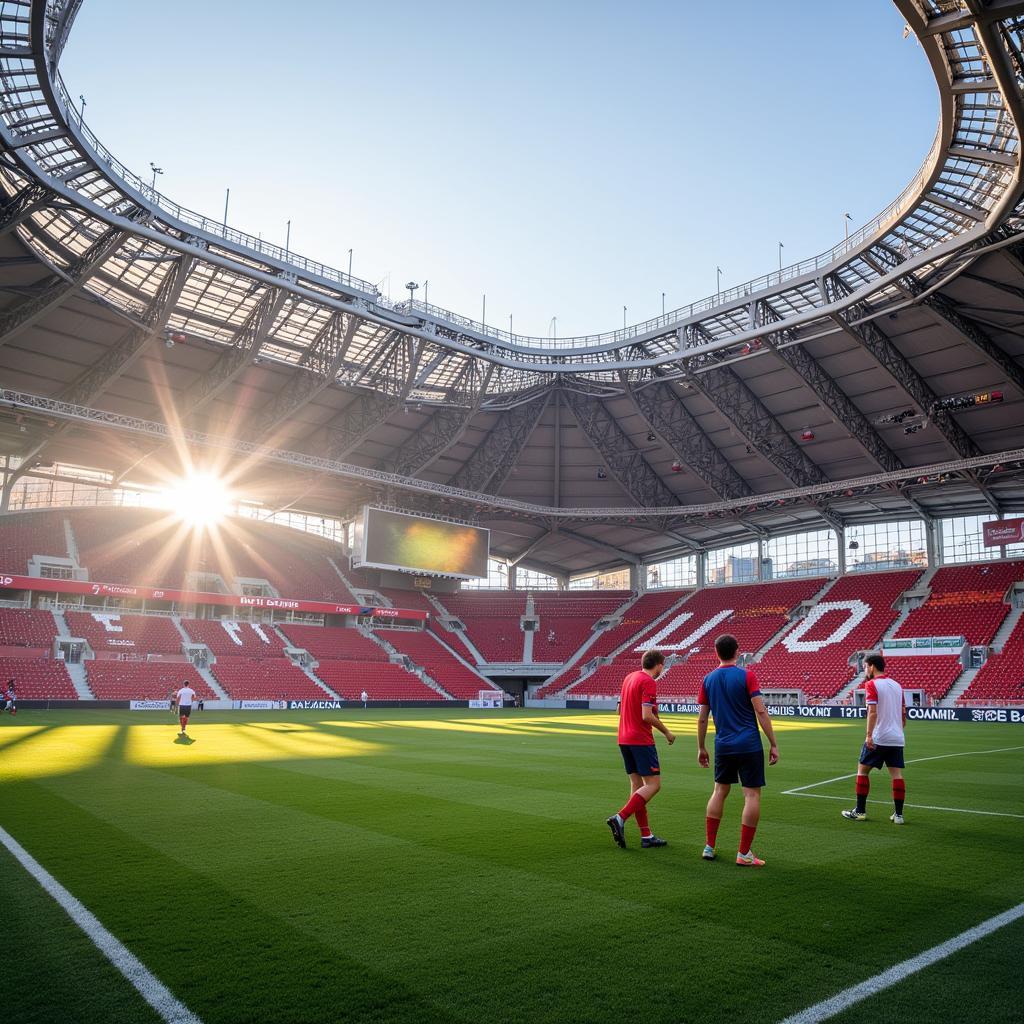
<point x="12" y="700"/>
<point x="184" y="697"/>
<point x="887" y="714"/>
<point x="731" y="695"/>
<point x="638" y="718"/>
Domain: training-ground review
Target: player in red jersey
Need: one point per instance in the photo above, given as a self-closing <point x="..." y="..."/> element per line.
<point x="638" y="718"/>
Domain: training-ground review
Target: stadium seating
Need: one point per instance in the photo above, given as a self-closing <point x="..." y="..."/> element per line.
<point x="109" y="631"/>
<point x="814" y="655"/>
<point x="265" y="679"/>
<point x="935" y="674"/>
<point x="637" y="618"/>
<point x="24" y="534"/>
<point x="334" y="643"/>
<point x="140" y="680"/>
<point x="1001" y="678"/>
<point x="133" y="546"/>
<point x="25" y="627"/>
<point x="236" y="639"/>
<point x="381" y="681"/>
<point x="492" y="622"/>
<point x="567" y="620"/>
<point x="753" y="614"/>
<point x="965" y="600"/>
<point x="38" y="678"/>
<point x="445" y="669"/>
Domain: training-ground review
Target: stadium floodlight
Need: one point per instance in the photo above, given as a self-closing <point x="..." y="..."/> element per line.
<point x="156" y="170"/>
<point x="412" y="286"/>
<point x="200" y="499"/>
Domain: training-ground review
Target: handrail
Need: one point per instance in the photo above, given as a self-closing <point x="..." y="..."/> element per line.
<point x="666" y="321"/>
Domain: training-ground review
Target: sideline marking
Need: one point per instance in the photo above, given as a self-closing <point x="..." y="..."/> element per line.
<point x="148" y="985"/>
<point x="798" y="790"/>
<point x="886" y="979"/>
<point x="920" y="807"/>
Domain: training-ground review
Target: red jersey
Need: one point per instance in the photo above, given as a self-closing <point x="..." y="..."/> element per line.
<point x="638" y="689"/>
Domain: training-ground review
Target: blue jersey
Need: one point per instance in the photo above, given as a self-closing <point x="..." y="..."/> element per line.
<point x="727" y="691"/>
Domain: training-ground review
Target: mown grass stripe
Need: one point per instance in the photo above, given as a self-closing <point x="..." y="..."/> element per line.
<point x="171" y="1009"/>
<point x="830" y="1008"/>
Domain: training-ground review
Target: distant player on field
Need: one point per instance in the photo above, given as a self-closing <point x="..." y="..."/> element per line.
<point x="638" y="718"/>
<point x="12" y="700"/>
<point x="731" y="695"/>
<point x="184" y="697"/>
<point x="887" y="714"/>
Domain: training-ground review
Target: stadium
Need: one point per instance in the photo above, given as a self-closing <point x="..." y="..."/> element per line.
<point x="405" y="558"/>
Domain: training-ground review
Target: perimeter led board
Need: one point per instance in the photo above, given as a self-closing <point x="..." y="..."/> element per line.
<point x="408" y="543"/>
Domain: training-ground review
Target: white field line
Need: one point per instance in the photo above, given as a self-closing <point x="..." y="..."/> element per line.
<point x="149" y="987"/>
<point x="829" y="1008"/>
<point x="914" y="760"/>
<point x="920" y="807"/>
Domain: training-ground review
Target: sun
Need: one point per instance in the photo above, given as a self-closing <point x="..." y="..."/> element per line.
<point x="200" y="499"/>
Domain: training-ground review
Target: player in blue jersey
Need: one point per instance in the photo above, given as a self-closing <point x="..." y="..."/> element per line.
<point x="731" y="696"/>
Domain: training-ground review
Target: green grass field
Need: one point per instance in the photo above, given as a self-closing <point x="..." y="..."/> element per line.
<point x="432" y="866"/>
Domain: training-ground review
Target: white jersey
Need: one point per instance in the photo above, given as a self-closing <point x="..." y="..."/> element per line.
<point x="185" y="696"/>
<point x="887" y="695"/>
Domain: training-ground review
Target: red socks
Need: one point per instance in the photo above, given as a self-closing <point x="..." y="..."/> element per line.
<point x="711" y="829"/>
<point x="183" y="721"/>
<point x="746" y="837"/>
<point x="641" y="820"/>
<point x="899" y="794"/>
<point x="634" y="805"/>
<point x="862" y="787"/>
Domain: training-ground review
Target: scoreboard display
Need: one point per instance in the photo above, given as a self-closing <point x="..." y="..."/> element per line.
<point x="410" y="543"/>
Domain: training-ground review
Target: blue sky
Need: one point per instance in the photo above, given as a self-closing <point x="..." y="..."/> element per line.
<point x="565" y="158"/>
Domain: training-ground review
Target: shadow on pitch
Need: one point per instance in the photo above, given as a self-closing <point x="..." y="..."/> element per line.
<point x="184" y="741"/>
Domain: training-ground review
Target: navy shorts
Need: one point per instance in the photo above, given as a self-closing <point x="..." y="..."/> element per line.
<point x="882" y="755"/>
<point x="185" y="710"/>
<point x="747" y="769"/>
<point x="640" y="759"/>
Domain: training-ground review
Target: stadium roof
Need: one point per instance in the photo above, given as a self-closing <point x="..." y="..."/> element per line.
<point x="817" y="394"/>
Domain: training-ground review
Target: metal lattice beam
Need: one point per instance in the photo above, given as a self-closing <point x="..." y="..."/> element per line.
<point x="22" y="205"/>
<point x="825" y="388"/>
<point x="231" y="362"/>
<point x="488" y="467"/>
<point x="946" y="310"/>
<point x="623" y="458"/>
<point x="317" y="370"/>
<point x="890" y="359"/>
<point x="32" y="310"/>
<point x="724" y="388"/>
<point x="97" y="378"/>
<point x="664" y="412"/>
<point x="442" y="430"/>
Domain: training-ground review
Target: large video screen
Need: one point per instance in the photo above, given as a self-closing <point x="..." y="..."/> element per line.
<point x="396" y="540"/>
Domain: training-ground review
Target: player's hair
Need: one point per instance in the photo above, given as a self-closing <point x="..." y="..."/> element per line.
<point x="652" y="659"/>
<point x="876" y="661"/>
<point x="726" y="646"/>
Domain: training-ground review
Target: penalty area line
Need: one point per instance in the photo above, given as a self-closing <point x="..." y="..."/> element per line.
<point x="829" y="1008"/>
<point x="131" y="967"/>
<point x="919" y="807"/>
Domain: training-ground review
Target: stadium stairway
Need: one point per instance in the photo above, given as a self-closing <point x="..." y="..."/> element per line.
<point x="76" y="673"/>
<point x="444" y="614"/>
<point x="319" y="682"/>
<point x="396" y="657"/>
<point x="1006" y="627"/>
<point x="959" y="688"/>
<point x="581" y="652"/>
<point x="569" y="683"/>
<point x="205" y="674"/>
<point x="71" y="541"/>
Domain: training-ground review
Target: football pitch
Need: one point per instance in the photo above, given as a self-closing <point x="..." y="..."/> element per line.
<point x="436" y="865"/>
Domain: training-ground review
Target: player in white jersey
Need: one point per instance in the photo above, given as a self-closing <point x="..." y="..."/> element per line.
<point x="184" y="697"/>
<point x="887" y="714"/>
